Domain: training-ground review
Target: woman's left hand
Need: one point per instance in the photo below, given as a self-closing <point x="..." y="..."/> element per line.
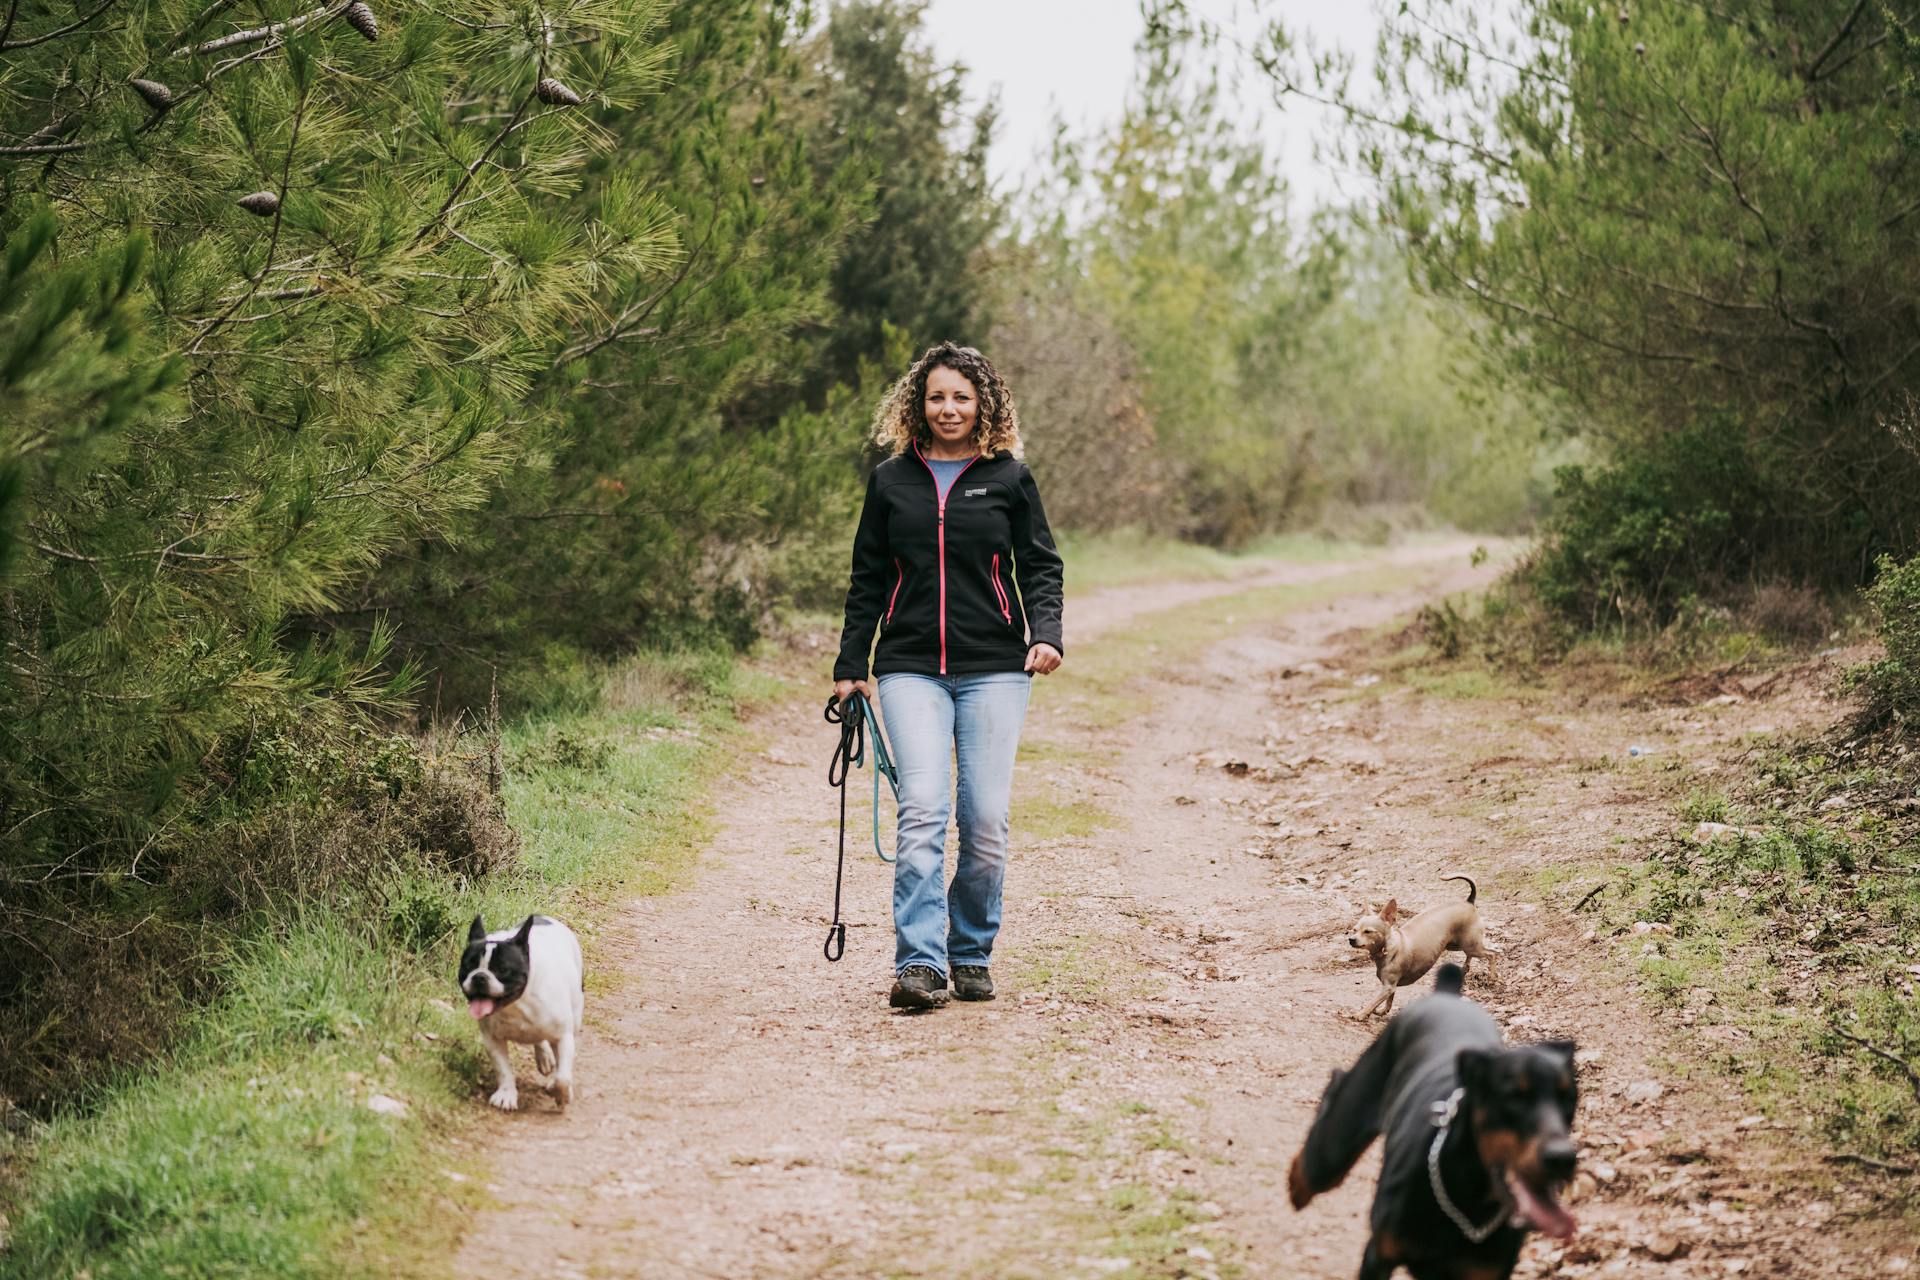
<point x="1043" y="658"/>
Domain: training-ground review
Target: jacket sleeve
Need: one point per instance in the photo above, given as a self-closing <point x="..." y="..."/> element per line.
<point x="867" y="588"/>
<point x="1037" y="566"/>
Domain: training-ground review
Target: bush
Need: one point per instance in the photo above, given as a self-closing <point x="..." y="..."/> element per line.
<point x="564" y="749"/>
<point x="1631" y="542"/>
<point x="380" y="828"/>
<point x="1892" y="685"/>
<point x="1796" y="613"/>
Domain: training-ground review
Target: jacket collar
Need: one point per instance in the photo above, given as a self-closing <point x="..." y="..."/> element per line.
<point x="995" y="456"/>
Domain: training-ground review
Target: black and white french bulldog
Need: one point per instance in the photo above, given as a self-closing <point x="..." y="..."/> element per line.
<point x="523" y="986"/>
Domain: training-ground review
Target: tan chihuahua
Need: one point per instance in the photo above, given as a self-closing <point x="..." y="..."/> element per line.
<point x="1403" y="951"/>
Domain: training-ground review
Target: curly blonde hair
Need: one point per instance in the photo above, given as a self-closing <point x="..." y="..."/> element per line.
<point x="901" y="419"/>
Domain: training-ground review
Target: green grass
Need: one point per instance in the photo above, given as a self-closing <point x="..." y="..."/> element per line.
<point x="1799" y="935"/>
<point x="1457" y="682"/>
<point x="249" y="1151"/>
<point x="1050" y="815"/>
<point x="1073" y="968"/>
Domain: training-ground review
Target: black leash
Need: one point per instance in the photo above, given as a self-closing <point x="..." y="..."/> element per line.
<point x="853" y="719"/>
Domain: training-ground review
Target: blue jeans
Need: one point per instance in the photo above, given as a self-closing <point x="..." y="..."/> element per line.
<point x="930" y="720"/>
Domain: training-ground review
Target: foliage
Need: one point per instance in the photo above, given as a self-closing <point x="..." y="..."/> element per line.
<point x="218" y="414"/>
<point x="679" y="454"/>
<point x="318" y="809"/>
<point x="1081" y="387"/>
<point x="1187" y="246"/>
<point x="880" y="102"/>
<point x="1634" y="540"/>
<point x="1403" y="419"/>
<point x="1891" y="685"/>
<point x="1683" y="221"/>
<point x="309" y="277"/>
<point x="1211" y="366"/>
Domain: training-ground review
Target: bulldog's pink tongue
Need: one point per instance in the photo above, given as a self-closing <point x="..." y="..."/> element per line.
<point x="480" y="1008"/>
<point x="1544" y="1214"/>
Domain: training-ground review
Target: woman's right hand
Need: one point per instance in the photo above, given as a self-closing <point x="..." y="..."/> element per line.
<point x="843" y="689"/>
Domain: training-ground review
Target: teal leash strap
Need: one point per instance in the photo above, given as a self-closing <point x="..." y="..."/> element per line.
<point x="883" y="766"/>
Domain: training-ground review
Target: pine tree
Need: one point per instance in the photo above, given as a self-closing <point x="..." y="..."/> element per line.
<point x="678" y="462"/>
<point x="311" y="260"/>
<point x="880" y="99"/>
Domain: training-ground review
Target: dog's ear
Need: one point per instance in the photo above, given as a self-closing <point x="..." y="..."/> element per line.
<point x="1391" y="911"/>
<point x="525" y="932"/>
<point x="1475" y="1069"/>
<point x="477" y="932"/>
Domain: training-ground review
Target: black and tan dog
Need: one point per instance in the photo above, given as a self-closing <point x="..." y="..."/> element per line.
<point x="1476" y="1140"/>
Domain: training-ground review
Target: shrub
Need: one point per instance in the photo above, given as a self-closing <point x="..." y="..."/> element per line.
<point x="1441" y="626"/>
<point x="1891" y="686"/>
<point x="378" y="827"/>
<point x="1798" y="613"/>
<point x="566" y="750"/>
<point x="1628" y="543"/>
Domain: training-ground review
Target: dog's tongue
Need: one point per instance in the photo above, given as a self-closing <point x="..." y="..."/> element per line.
<point x="480" y="1008"/>
<point x="1543" y="1213"/>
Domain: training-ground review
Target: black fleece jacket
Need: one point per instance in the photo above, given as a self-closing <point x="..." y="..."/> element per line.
<point x="939" y="579"/>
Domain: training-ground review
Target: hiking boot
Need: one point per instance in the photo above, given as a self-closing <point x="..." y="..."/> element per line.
<point x="972" y="982"/>
<point x="918" y="987"/>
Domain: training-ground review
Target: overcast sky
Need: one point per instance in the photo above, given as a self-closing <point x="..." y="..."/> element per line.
<point x="1075" y="58"/>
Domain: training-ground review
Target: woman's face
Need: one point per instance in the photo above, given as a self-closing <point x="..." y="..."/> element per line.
<point x="952" y="406"/>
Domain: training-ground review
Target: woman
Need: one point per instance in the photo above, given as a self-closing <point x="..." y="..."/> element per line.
<point x="952" y="524"/>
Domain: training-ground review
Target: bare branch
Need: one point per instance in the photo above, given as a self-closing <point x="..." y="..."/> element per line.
<point x="50" y="148"/>
<point x="99" y="9"/>
<point x="1846" y="29"/>
<point x="1907" y="1068"/>
<point x="257" y="33"/>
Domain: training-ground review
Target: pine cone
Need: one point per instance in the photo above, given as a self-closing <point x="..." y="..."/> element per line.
<point x="262" y="204"/>
<point x="554" y="93"/>
<point x="157" y="95"/>
<point x="361" y="19"/>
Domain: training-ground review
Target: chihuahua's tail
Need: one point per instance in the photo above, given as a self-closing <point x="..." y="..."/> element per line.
<point x="1448" y="979"/>
<point x="1473" y="890"/>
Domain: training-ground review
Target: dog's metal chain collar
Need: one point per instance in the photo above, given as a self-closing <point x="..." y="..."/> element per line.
<point x="1443" y="1113"/>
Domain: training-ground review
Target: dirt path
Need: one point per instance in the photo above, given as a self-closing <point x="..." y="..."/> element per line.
<point x="1175" y="989"/>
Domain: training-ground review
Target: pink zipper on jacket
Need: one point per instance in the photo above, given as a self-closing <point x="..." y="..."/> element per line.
<point x="941" y="498"/>
<point x="1000" y="592"/>
<point x="900" y="576"/>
